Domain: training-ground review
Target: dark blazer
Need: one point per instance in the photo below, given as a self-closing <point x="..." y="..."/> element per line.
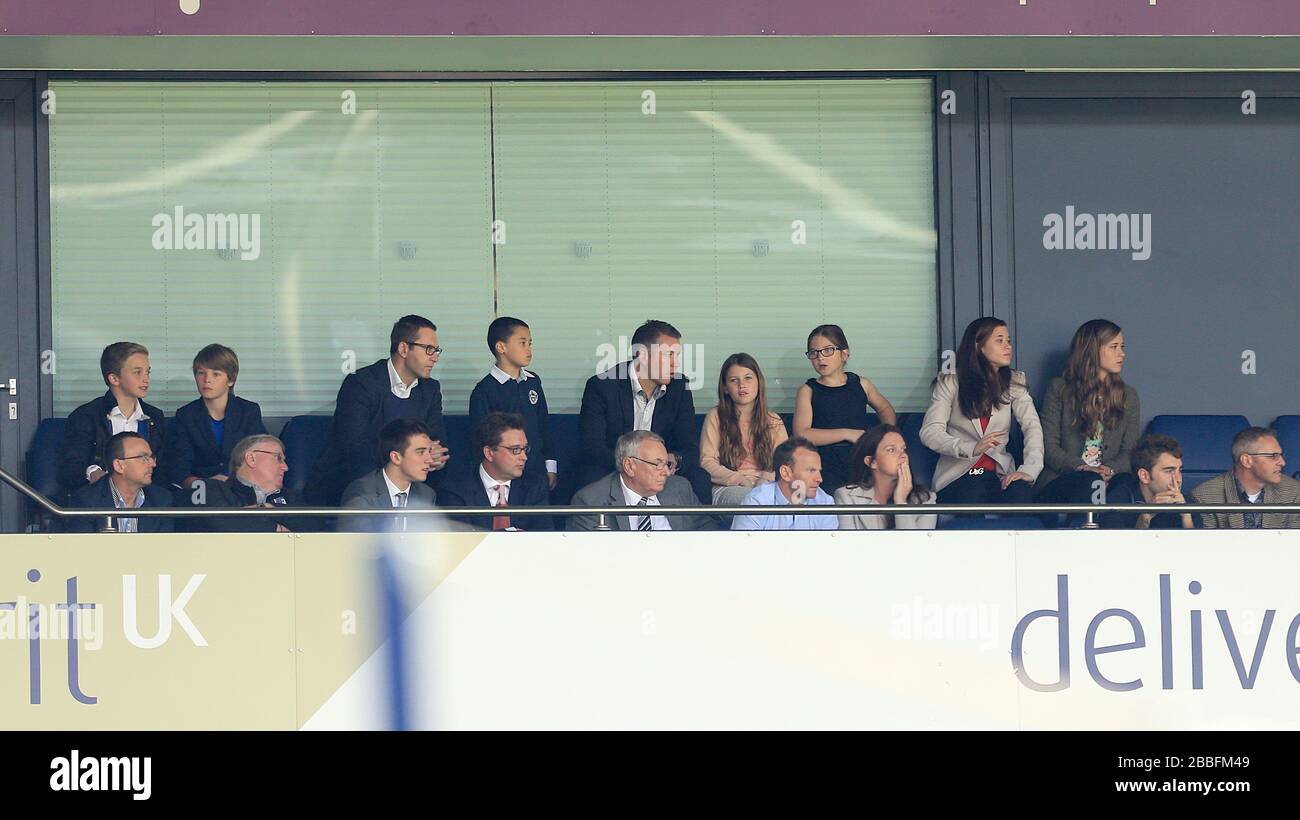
<point x="352" y="444"/>
<point x="607" y="413"/>
<point x="1125" y="489"/>
<point x="371" y="492"/>
<point x="193" y="451"/>
<point x="86" y="434"/>
<point x="464" y="489"/>
<point x="606" y="492"/>
<point x="1063" y="442"/>
<point x="98" y="495"/>
<point x="234" y="493"/>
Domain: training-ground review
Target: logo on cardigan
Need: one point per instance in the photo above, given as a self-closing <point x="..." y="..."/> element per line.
<point x="532" y="397"/>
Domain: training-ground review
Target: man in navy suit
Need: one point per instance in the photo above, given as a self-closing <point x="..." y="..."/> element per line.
<point x="499" y="479"/>
<point x="129" y="464"/>
<point x="398" y="387"/>
<point x="646" y="393"/>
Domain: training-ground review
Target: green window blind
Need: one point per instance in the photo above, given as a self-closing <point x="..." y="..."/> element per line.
<point x="692" y="214"/>
<point x="364" y="217"/>
<point x="745" y="212"/>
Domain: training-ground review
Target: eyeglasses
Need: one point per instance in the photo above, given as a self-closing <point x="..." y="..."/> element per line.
<point x="1271" y="456"/>
<point x="658" y="464"/>
<point x="823" y="353"/>
<point x="279" y="457"/>
<point x="429" y="350"/>
<point x="516" y="450"/>
<point x="146" y="457"/>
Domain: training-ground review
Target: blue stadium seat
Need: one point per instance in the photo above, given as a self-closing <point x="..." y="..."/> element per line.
<point x="459" y="438"/>
<point x="304" y="438"/>
<point x="924" y="460"/>
<point x="1010" y="522"/>
<point x="1206" y="441"/>
<point x="1288" y="435"/>
<point x="43" y="458"/>
<point x="564" y="432"/>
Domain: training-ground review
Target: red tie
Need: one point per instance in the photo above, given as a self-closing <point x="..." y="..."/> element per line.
<point x="501" y="522"/>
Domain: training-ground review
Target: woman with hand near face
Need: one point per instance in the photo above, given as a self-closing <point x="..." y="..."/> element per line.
<point x="881" y="473"/>
<point x="740" y="433"/>
<point x="1090" y="418"/>
<point x="969" y="421"/>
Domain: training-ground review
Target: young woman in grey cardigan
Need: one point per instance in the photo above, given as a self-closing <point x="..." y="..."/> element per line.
<point x="1090" y="418"/>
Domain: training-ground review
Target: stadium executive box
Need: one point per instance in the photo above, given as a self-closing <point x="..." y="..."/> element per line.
<point x="724" y="630"/>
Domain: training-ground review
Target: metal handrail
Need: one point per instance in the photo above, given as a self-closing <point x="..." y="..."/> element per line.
<point x="1088" y="510"/>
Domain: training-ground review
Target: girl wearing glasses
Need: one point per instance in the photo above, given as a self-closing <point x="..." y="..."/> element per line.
<point x="1090" y="417"/>
<point x="969" y="422"/>
<point x="831" y="410"/>
<point x="881" y="473"/>
<point x="740" y="434"/>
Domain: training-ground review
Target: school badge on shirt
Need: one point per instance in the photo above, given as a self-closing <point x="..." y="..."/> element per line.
<point x="532" y="397"/>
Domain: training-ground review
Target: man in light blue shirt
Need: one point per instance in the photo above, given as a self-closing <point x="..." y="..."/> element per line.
<point x="798" y="469"/>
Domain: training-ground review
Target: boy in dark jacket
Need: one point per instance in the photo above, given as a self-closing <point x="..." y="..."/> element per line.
<point x="125" y="368"/>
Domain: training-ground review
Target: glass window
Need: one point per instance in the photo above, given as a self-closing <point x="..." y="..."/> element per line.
<point x="295" y="221"/>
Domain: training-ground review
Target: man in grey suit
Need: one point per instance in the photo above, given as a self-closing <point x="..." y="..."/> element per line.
<point x="408" y="453"/>
<point x="641" y="480"/>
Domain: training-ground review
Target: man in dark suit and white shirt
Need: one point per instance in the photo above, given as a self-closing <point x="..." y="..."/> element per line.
<point x="130" y="466"/>
<point x="647" y="393"/>
<point x="642" y="480"/>
<point x="408" y="451"/>
<point x="398" y="387"/>
<point x="500" y="479"/>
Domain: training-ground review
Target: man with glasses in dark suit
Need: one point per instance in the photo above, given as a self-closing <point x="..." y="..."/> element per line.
<point x="398" y="387"/>
<point x="499" y="478"/>
<point x="129" y="464"/>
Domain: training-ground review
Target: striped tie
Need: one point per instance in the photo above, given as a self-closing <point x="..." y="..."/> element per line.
<point x="401" y="502"/>
<point x="645" y="525"/>
<point x="501" y="522"/>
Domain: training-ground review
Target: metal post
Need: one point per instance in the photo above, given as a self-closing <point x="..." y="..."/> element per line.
<point x="600" y="523"/>
<point x="1089" y="523"/>
<point x="108" y="524"/>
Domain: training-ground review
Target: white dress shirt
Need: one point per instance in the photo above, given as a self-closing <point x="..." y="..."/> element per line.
<point x="393" y="497"/>
<point x="502" y="376"/>
<point x="643" y="406"/>
<point x="120" y="423"/>
<point x="393" y="490"/>
<point x="400" y="389"/>
<point x="657" y="522"/>
<point x="490" y="484"/>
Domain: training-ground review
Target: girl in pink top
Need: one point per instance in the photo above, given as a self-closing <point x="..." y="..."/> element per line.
<point x="740" y="434"/>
